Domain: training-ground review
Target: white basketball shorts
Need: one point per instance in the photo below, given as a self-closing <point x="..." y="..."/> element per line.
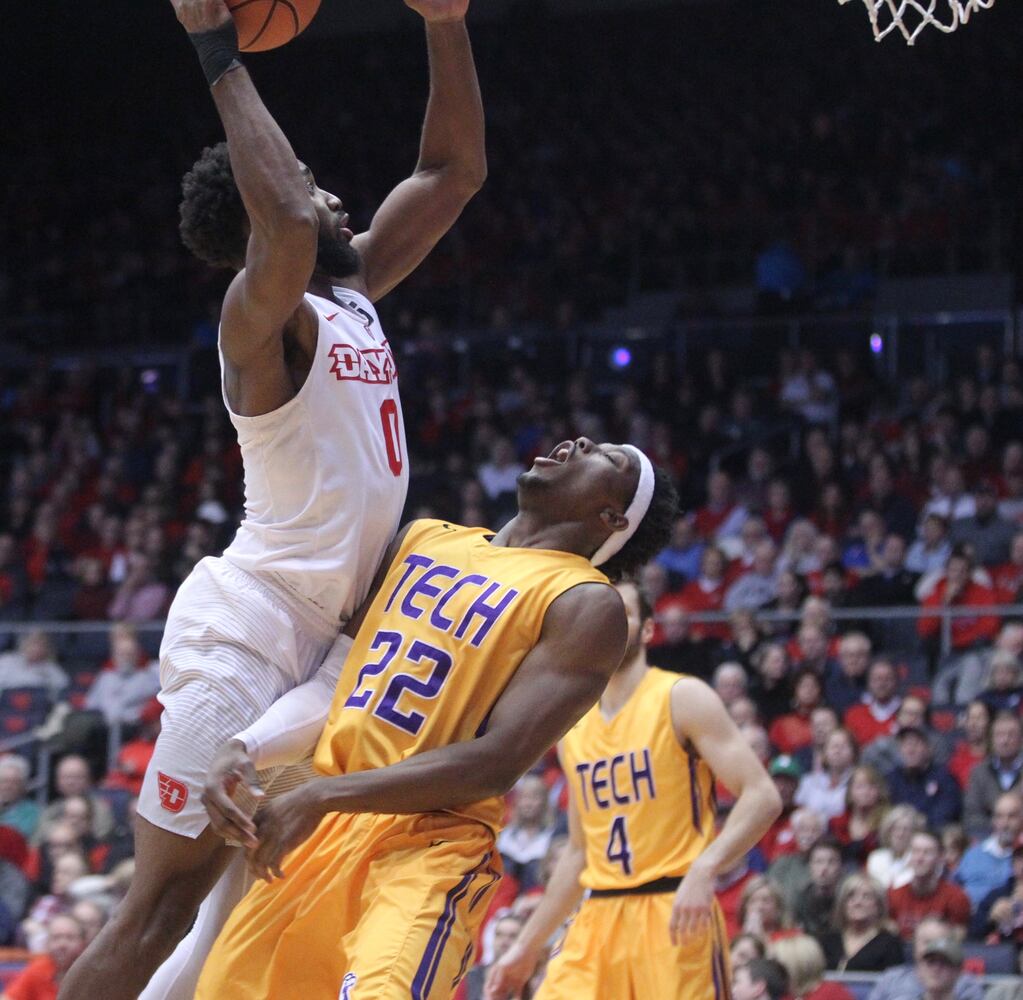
<point x="232" y="646"/>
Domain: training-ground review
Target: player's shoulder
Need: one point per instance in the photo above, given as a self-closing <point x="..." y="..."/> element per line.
<point x="696" y="706"/>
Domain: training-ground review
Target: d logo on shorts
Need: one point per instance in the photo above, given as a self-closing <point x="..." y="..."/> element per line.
<point x="173" y="794"/>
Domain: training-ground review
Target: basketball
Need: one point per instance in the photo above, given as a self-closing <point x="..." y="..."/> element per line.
<point x="267" y="24"/>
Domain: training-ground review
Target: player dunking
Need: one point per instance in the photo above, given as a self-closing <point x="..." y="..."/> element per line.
<point x="311" y="387"/>
<point x="641" y="766"/>
<point x="476" y="653"/>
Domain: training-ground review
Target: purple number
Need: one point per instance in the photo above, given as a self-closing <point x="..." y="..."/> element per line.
<point x="412" y="722"/>
<point x="393" y="641"/>
<point x="618" y="845"/>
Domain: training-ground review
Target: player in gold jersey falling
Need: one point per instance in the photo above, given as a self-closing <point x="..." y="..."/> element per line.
<point x="641" y="766"/>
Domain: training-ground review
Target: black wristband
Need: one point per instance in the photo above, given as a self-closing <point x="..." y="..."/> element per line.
<point x="218" y="50"/>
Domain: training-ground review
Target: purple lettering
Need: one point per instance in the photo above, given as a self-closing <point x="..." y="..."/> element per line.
<point x="582" y="770"/>
<point x="437" y="620"/>
<point x="646" y="773"/>
<point x="424" y="587"/>
<point x="413" y="561"/>
<point x="490" y="613"/>
<point x="618" y="758"/>
<point x="599" y="784"/>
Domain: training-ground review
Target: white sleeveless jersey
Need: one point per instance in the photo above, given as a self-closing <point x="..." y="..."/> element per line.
<point x="326" y="473"/>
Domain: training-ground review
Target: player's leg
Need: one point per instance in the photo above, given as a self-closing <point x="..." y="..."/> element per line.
<point x="178" y="977"/>
<point x="590" y="963"/>
<point x="422" y="906"/>
<point x="173" y="873"/>
<point x="285" y="937"/>
<point x="698" y="969"/>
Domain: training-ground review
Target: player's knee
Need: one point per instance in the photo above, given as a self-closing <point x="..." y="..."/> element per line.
<point x="156" y="924"/>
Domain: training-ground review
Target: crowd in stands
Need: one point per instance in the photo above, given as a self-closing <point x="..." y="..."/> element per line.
<point x="898" y="751"/>
<point x="785" y="165"/>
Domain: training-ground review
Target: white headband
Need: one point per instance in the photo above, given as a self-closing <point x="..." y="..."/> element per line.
<point x="636" y="510"/>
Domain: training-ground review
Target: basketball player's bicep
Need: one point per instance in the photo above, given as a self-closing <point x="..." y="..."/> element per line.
<point x="561" y="678"/>
<point x="406" y="227"/>
<point x="700" y="717"/>
<point x="265" y="296"/>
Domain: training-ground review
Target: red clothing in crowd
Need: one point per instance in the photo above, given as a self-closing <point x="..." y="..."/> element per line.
<point x="962" y="762"/>
<point x="948" y="902"/>
<point x="1007" y="579"/>
<point x="867" y="727"/>
<point x="779" y="838"/>
<point x="828" y="991"/>
<point x="665" y="601"/>
<point x="695" y="598"/>
<point x="37" y="981"/>
<point x="707" y="520"/>
<point x="729" y="899"/>
<point x="791" y="732"/>
<point x="965" y="631"/>
<point x="854" y="850"/>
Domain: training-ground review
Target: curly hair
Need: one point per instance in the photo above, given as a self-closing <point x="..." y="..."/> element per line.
<point x="653" y="533"/>
<point x="213" y="221"/>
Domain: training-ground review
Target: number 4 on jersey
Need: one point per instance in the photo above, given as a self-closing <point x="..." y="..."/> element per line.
<point x="618" y="845"/>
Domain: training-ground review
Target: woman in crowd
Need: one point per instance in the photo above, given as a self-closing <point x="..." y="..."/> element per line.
<point x="860" y="942"/>
<point x="804" y="961"/>
<point x="772" y="688"/>
<point x="791" y="732"/>
<point x="889" y="864"/>
<point x="827" y="791"/>
<point x="866" y="803"/>
<point x="762" y="910"/>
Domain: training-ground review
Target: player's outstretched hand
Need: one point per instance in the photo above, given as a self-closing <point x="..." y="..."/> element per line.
<point x="231" y="769"/>
<point x="438" y="11"/>
<point x="692" y="910"/>
<point x="281" y="825"/>
<point x="508" y="976"/>
<point x="201" y="15"/>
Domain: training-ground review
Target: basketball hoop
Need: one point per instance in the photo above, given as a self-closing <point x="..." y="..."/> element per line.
<point x="910" y="17"/>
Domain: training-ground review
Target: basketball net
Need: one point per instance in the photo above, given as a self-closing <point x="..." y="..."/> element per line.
<point x="910" y="17"/>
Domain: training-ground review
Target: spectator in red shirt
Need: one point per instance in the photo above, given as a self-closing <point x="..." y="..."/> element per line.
<point x="762" y="910"/>
<point x="779" y="838"/>
<point x="721" y="517"/>
<point x="792" y="732"/>
<point x="41" y="978"/>
<point x="707" y="593"/>
<point x="866" y="802"/>
<point x="1008" y="578"/>
<point x="876" y="715"/>
<point x="973" y="746"/>
<point x="929" y="894"/>
<point x="779" y="513"/>
<point x="958" y="589"/>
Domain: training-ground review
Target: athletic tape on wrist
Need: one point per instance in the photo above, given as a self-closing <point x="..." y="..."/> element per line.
<point x="217" y="49"/>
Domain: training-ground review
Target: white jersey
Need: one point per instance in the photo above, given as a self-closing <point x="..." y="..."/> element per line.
<point x="326" y="473"/>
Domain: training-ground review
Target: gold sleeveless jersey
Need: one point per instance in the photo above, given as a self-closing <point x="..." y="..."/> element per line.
<point x="645" y="803"/>
<point x="450" y="625"/>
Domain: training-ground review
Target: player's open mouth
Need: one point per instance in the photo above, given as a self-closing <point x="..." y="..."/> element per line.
<point x="559" y="456"/>
<point x="342" y="228"/>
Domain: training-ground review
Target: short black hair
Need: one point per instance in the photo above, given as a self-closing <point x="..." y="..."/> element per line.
<point x="771" y="973"/>
<point x="213" y="223"/>
<point x="653" y="533"/>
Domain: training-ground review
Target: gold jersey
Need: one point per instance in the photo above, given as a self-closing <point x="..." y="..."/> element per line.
<point x="645" y="803"/>
<point x="446" y="632"/>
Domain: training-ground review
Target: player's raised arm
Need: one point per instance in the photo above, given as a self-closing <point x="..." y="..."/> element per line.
<point x="452" y="156"/>
<point x="700" y="718"/>
<point x="283" y="224"/>
<point x="580" y="646"/>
